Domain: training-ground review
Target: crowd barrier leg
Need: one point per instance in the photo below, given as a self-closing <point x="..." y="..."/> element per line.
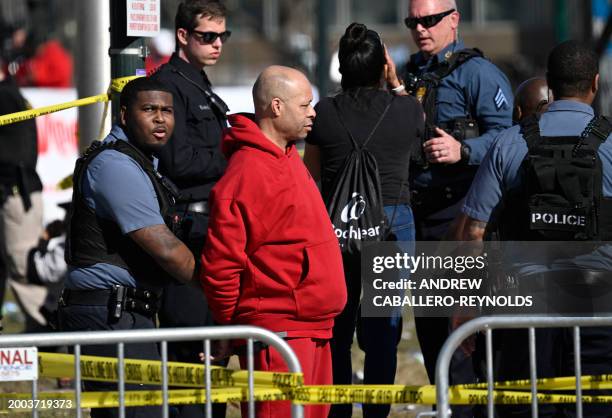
<point x="488" y="324"/>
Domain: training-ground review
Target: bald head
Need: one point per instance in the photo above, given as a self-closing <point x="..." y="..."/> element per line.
<point x="531" y="97"/>
<point x="277" y="81"/>
<point x="283" y="104"/>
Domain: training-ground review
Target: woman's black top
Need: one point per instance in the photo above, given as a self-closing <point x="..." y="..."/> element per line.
<point x="396" y="140"/>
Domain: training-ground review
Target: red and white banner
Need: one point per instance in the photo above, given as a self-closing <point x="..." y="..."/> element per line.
<point x="18" y="364"/>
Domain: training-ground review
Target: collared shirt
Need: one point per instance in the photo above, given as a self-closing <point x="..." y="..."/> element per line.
<point x="476" y="88"/>
<point x="118" y="189"/>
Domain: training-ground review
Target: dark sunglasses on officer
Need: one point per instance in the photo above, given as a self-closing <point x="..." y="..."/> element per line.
<point x="426" y="21"/>
<point x="210" y="37"/>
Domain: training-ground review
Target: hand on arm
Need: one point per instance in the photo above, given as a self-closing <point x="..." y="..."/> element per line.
<point x="170" y="253"/>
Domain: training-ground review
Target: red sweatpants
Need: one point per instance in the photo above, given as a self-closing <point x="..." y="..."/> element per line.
<point x="314" y="355"/>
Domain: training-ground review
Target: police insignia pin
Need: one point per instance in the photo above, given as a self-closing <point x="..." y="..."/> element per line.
<point x="420" y="93"/>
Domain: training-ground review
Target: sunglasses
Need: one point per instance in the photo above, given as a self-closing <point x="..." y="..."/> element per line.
<point x="210" y="37"/>
<point x="426" y="21"/>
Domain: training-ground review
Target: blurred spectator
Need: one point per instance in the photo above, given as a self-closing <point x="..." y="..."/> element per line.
<point x="46" y="64"/>
<point x="47" y="267"/>
<point x="14" y="17"/>
<point x="160" y="49"/>
<point x="20" y="203"/>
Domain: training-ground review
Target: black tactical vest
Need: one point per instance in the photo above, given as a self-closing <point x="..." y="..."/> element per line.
<point x="91" y="239"/>
<point x="561" y="197"/>
<point x="425" y="89"/>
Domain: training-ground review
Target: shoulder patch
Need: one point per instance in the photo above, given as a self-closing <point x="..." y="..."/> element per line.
<point x="500" y="99"/>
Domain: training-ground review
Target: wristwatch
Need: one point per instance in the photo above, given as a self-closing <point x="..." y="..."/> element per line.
<point x="465" y="153"/>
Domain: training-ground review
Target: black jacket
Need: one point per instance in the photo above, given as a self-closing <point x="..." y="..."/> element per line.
<point x="18" y="146"/>
<point x="192" y="158"/>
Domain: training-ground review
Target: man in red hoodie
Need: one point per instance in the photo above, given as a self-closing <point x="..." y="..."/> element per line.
<point x="271" y="257"/>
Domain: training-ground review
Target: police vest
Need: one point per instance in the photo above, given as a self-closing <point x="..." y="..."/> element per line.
<point x="561" y="197"/>
<point x="425" y="89"/>
<point x="91" y="239"/>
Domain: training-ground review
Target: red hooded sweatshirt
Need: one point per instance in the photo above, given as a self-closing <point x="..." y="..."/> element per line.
<point x="271" y="257"/>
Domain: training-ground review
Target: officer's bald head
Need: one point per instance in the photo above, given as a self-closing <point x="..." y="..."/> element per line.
<point x="573" y="71"/>
<point x="531" y="97"/>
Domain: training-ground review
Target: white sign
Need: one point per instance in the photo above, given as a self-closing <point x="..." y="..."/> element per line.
<point x="57" y="146"/>
<point x="18" y="364"/>
<point x="143" y="17"/>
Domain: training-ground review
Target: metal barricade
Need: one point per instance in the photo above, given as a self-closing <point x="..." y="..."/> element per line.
<point x="488" y="324"/>
<point x="78" y="339"/>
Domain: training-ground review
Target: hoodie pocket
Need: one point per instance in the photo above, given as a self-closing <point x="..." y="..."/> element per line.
<point x="322" y="292"/>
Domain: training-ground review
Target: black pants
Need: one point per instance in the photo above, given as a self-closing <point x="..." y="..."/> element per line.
<point x="555" y="358"/>
<point x="377" y="337"/>
<point x="185" y="305"/>
<point x="3" y="253"/>
<point x="95" y="318"/>
<point x="432" y="332"/>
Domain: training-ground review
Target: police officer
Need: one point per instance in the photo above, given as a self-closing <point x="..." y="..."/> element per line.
<point x="119" y="249"/>
<point x="467" y="101"/>
<point x="532" y="96"/>
<point x="570" y="146"/>
<point x="192" y="159"/>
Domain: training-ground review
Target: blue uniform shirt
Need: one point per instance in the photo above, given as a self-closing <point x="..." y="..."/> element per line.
<point x="476" y="88"/>
<point x="500" y="171"/>
<point x="118" y="189"/>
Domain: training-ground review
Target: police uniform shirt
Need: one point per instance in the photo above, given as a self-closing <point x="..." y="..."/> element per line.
<point x="500" y="174"/>
<point x="476" y="88"/>
<point x="118" y="189"/>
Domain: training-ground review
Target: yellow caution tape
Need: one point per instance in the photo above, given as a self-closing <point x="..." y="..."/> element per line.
<point x="116" y="85"/>
<point x="65" y="183"/>
<point x="231" y="385"/>
<point x="370" y="394"/>
<point x="30" y="114"/>
<point x="104" y="369"/>
<point x="594" y="382"/>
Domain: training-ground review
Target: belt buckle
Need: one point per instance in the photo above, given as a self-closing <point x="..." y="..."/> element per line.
<point x="198" y="207"/>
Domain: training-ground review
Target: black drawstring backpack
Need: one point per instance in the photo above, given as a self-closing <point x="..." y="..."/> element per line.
<point x="354" y="203"/>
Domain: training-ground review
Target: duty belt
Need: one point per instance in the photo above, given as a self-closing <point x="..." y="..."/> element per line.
<point x="117" y="299"/>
